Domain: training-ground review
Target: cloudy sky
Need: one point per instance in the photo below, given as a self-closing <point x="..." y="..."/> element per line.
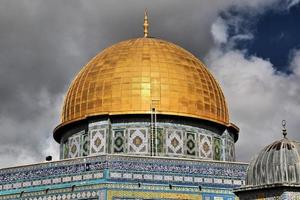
<point x="251" y="46"/>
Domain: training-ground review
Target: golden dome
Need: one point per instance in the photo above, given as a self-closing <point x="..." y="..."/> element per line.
<point x="133" y="76"/>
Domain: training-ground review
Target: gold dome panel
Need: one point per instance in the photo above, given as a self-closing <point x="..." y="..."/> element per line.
<point x="135" y="75"/>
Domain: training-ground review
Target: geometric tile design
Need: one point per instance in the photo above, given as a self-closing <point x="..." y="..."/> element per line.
<point x="85" y="145"/>
<point x="66" y="150"/>
<point x="138" y="140"/>
<point x="74" y="146"/>
<point x="205" y="146"/>
<point x="97" y="141"/>
<point x="174" y="142"/>
<point x="119" y="141"/>
<point x="197" y="142"/>
<point x="231" y="150"/>
<point x="81" y="173"/>
<point x="160" y="141"/>
<point x="217" y="148"/>
<point x="190" y="143"/>
<point x="143" y="195"/>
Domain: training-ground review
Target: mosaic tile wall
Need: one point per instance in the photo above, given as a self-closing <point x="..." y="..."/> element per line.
<point x="288" y="193"/>
<point x="291" y="195"/>
<point x="82" y="178"/>
<point x="147" y="195"/>
<point x="123" y="191"/>
<point x="172" y="140"/>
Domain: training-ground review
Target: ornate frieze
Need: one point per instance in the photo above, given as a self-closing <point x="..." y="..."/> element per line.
<point x="76" y="176"/>
<point x="98" y="141"/>
<point x="174" y="142"/>
<point x="138" y="141"/>
<point x="67" y="168"/>
<point x="205" y="146"/>
<point x="134" y="138"/>
<point x="74" y="145"/>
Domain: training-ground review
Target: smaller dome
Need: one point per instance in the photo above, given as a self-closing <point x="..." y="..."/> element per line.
<point x="277" y="163"/>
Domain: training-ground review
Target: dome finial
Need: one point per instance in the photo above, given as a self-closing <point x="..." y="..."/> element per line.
<point x="284" y="132"/>
<point x="146" y="24"/>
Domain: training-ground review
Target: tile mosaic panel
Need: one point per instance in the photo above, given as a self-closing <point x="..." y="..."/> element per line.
<point x="160" y="141"/>
<point x="119" y="141"/>
<point x="119" y="163"/>
<point x="217" y="148"/>
<point x="223" y="149"/>
<point x="291" y="195"/>
<point x="66" y="150"/>
<point x="141" y="195"/>
<point x="74" y="146"/>
<point x="205" y="147"/>
<point x="90" y="164"/>
<point x="174" y="142"/>
<point x="85" y="150"/>
<point x="271" y="194"/>
<point x="97" y="141"/>
<point x="138" y="140"/>
<point x="190" y="144"/>
<point x="231" y="150"/>
<point x="97" y="191"/>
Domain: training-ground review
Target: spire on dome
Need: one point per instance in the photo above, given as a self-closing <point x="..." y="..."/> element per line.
<point x="284" y="132"/>
<point x="146" y="24"/>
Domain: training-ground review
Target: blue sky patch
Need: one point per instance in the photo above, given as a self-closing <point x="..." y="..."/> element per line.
<point x="275" y="34"/>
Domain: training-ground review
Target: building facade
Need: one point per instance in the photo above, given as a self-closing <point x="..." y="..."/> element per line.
<point x="144" y="119"/>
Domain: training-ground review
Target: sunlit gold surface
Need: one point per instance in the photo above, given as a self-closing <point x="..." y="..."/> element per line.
<point x="135" y="75"/>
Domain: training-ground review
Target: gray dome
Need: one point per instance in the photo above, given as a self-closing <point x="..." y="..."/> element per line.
<point x="278" y="162"/>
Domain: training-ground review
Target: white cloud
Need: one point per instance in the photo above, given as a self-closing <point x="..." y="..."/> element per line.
<point x="292" y="3"/>
<point x="248" y="36"/>
<point x="259" y="97"/>
<point x="295" y="61"/>
<point x="219" y="31"/>
<point x="259" y="6"/>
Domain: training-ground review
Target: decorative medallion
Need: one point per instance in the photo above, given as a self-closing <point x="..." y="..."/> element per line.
<point x="160" y="140"/>
<point x="73" y="149"/>
<point x="66" y="150"/>
<point x="205" y="146"/>
<point x="190" y="143"/>
<point x="138" y="140"/>
<point x="85" y="145"/>
<point x="119" y="141"/>
<point x="174" y="141"/>
<point x="97" y="141"/>
<point x="217" y="148"/>
<point x="74" y="146"/>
